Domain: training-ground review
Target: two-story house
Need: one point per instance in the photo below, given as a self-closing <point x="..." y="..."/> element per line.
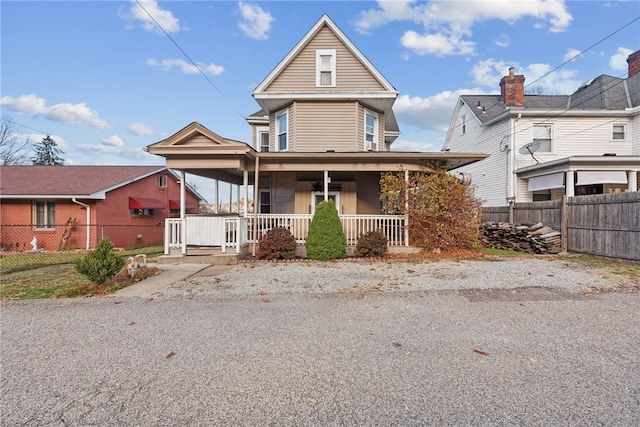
<point x="545" y="146"/>
<point x="324" y="131"/>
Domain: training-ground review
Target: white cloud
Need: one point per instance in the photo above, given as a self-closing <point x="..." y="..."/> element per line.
<point x="502" y="40"/>
<point x="185" y="67"/>
<point x="163" y="17"/>
<point x="407" y="145"/>
<point x="571" y="54"/>
<point x="618" y="62"/>
<point x="67" y="113"/>
<point x="126" y="153"/>
<point x="431" y="113"/>
<point x="448" y="25"/>
<point x="140" y="129"/>
<point x="255" y="23"/>
<point x="113" y="141"/>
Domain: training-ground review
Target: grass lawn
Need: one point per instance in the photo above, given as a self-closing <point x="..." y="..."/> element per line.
<point x="29" y="277"/>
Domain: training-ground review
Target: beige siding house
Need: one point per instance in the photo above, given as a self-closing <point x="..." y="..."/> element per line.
<point x="545" y="146"/>
<point x="324" y="131"/>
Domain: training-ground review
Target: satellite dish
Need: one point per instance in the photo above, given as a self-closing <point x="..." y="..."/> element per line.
<point x="530" y="148"/>
<point x="464" y="178"/>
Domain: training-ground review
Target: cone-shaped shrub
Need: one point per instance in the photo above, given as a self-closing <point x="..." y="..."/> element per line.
<point x="100" y="264"/>
<point x="326" y="239"/>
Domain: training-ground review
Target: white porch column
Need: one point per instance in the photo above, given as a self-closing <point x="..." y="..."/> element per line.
<point x="217" y="193"/>
<point x="238" y="207"/>
<point x="230" y="198"/>
<point x="256" y="205"/>
<point x="183" y="194"/>
<point x="569" y="184"/>
<point x="245" y="185"/>
<point x="406" y="207"/>
<point x="632" y="180"/>
<point x="327" y="180"/>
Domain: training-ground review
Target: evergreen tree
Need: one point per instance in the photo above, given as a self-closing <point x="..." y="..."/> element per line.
<point x="326" y="239"/>
<point x="47" y="153"/>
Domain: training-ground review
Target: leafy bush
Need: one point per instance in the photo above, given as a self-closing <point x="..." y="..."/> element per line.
<point x="277" y="243"/>
<point x="372" y="243"/>
<point x="442" y="213"/>
<point x="100" y="264"/>
<point x="326" y="239"/>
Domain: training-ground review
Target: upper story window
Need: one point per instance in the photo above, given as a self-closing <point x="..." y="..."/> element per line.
<point x="326" y="67"/>
<point x="262" y="143"/>
<point x="371" y="131"/>
<point x="44" y="214"/>
<point x="542" y="134"/>
<point x="619" y="132"/>
<point x="464" y="124"/>
<point x="162" y="181"/>
<point x="282" y="134"/>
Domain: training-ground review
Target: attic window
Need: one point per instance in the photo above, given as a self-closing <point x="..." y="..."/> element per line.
<point x="162" y="181"/>
<point x="325" y="68"/>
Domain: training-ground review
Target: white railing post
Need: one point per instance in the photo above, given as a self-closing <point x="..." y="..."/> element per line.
<point x="167" y="235"/>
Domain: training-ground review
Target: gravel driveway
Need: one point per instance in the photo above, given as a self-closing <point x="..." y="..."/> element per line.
<point x="527" y="343"/>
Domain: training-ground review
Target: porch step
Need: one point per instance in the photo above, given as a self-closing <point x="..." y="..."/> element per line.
<point x="211" y="259"/>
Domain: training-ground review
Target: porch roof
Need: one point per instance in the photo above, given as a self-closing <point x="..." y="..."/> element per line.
<point x="581" y="163"/>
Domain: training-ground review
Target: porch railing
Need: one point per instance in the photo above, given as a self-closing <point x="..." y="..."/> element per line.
<point x="235" y="232"/>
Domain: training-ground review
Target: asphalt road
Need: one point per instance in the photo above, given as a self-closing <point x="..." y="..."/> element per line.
<point x="530" y="358"/>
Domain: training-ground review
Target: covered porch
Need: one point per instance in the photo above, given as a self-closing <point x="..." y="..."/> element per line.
<point x="281" y="189"/>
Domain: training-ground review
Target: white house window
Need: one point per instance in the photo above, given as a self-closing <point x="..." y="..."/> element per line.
<point x="44" y="214"/>
<point x="162" y="181"/>
<point x="464" y="124"/>
<point x="326" y="67"/>
<point x="371" y="131"/>
<point x="542" y="134"/>
<point x="318" y="196"/>
<point x="282" y="131"/>
<point x="262" y="143"/>
<point x="619" y="132"/>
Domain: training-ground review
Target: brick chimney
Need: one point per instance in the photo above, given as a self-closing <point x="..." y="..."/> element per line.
<point x="512" y="89"/>
<point x="634" y="63"/>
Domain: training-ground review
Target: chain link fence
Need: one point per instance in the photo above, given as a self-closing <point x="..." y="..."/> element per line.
<point x="24" y="246"/>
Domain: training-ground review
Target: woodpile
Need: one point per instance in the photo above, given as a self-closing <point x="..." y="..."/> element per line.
<point x="535" y="239"/>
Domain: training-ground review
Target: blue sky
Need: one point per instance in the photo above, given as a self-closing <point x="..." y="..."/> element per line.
<point x="104" y="81"/>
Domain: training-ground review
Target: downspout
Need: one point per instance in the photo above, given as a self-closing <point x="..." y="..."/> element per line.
<point x="511" y="161"/>
<point x="88" y="208"/>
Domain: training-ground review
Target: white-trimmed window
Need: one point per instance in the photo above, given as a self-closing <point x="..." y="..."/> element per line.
<point x="464" y="124"/>
<point x="542" y="133"/>
<point x="318" y="196"/>
<point x="44" y="214"/>
<point x="326" y="68"/>
<point x="282" y="131"/>
<point x="619" y="132"/>
<point x="262" y="139"/>
<point x="370" y="131"/>
<point x="162" y="181"/>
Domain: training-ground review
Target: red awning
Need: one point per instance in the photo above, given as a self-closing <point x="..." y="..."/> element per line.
<point x="175" y="204"/>
<point x="145" y="203"/>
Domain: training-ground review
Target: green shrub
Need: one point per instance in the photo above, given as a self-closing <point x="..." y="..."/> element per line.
<point x="100" y="264"/>
<point x="372" y="243"/>
<point x="326" y="239"/>
<point x="277" y="243"/>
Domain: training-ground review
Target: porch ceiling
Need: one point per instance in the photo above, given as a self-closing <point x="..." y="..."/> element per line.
<point x="231" y="167"/>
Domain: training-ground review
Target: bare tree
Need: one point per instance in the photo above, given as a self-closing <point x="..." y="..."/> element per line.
<point x="14" y="150"/>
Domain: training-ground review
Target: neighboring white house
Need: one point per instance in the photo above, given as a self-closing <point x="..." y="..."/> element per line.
<point x="545" y="146"/>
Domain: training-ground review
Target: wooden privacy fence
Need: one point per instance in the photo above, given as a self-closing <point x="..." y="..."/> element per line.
<point x="604" y="224"/>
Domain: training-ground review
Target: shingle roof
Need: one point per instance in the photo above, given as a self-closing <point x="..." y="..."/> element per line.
<point x="68" y="181"/>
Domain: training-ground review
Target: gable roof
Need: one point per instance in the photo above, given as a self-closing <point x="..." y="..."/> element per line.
<point x="86" y="182"/>
<point x="196" y="138"/>
<point x="273" y="101"/>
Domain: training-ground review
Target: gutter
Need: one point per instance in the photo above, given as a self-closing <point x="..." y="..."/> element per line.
<point x="74" y="200"/>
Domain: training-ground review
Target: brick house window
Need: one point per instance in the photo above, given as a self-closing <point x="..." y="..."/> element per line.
<point x="142" y="212"/>
<point x="162" y="181"/>
<point x="44" y="214"/>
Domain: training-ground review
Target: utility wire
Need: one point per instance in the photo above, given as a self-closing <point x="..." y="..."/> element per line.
<point x="190" y="60"/>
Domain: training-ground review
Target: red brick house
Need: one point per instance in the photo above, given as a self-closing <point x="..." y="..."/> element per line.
<point x="73" y="207"/>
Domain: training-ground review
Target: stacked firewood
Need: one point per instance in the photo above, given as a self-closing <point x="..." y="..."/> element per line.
<point x="536" y="239"/>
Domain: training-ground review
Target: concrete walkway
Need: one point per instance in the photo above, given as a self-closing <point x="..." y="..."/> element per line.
<point x="171" y="273"/>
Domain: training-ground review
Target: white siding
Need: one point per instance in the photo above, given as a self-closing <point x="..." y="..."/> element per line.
<point x="489" y="176"/>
